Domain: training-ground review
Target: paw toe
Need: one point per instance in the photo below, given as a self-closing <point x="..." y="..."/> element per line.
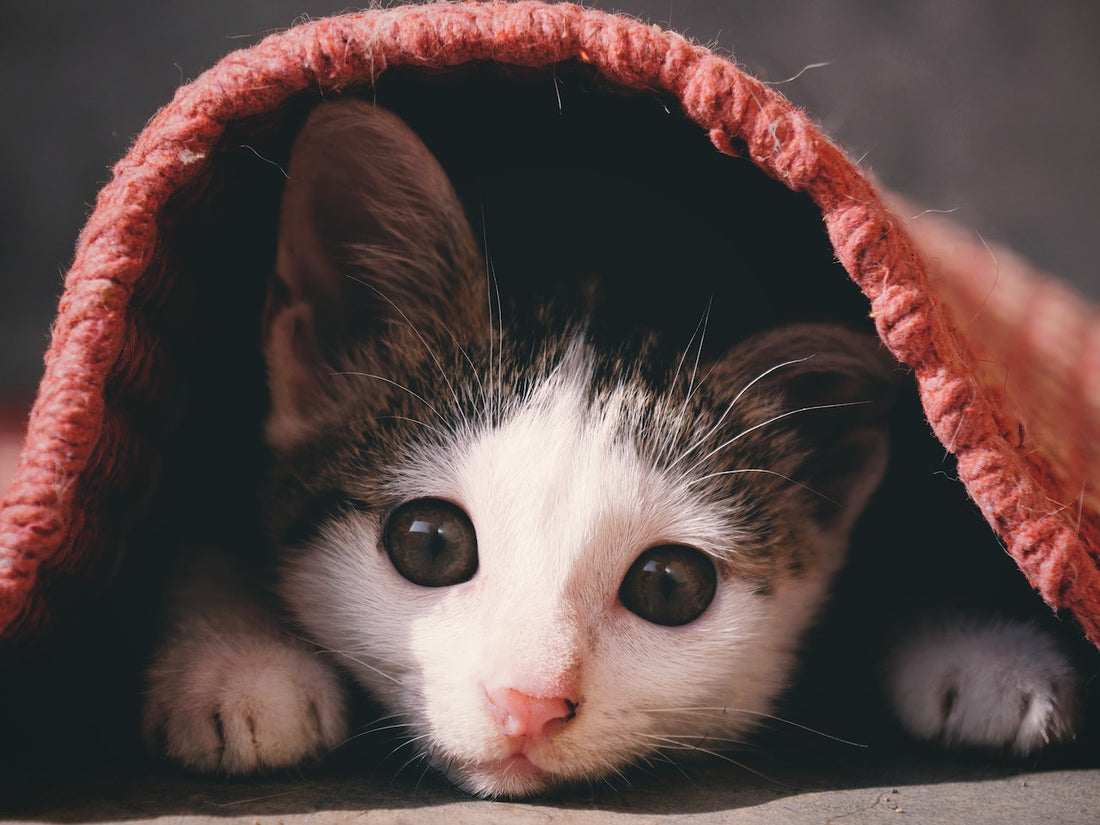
<point x="1001" y="686"/>
<point x="266" y="704"/>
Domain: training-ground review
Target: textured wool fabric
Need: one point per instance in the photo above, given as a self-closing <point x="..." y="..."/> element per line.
<point x="1007" y="361"/>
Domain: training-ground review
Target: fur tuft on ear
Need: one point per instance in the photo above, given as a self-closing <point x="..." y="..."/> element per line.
<point x="374" y="253"/>
<point x="834" y="389"/>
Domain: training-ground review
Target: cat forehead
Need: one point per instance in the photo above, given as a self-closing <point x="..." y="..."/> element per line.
<point x="561" y="474"/>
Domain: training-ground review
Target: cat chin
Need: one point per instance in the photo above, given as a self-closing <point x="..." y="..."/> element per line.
<point x="513" y="777"/>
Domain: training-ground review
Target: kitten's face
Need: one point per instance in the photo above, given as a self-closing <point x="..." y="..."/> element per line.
<point x="563" y="492"/>
<point x="546" y="561"/>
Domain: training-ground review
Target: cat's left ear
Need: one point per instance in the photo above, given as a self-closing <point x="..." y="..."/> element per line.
<point x="833" y="390"/>
<point x="374" y="257"/>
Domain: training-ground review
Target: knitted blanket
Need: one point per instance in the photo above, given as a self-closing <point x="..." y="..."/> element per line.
<point x="1007" y="361"/>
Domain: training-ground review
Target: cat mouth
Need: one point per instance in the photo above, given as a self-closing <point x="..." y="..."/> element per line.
<point x="519" y="767"/>
<point x="518" y="764"/>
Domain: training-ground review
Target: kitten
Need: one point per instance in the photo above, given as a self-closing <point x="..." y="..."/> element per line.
<point x="546" y="559"/>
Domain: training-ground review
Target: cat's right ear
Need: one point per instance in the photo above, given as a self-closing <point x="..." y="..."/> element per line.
<point x="374" y="254"/>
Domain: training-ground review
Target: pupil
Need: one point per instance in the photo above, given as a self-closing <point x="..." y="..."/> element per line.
<point x="668" y="584"/>
<point x="666" y="579"/>
<point x="432" y="534"/>
<point x="438" y="545"/>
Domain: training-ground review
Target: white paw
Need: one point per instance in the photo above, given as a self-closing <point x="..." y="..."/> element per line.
<point x="999" y="685"/>
<point x="240" y="702"/>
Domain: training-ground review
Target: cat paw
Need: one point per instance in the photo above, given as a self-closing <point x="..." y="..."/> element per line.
<point x="239" y="705"/>
<point x="999" y="685"/>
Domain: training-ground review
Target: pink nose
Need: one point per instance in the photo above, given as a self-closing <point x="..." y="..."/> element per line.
<point x="521" y="716"/>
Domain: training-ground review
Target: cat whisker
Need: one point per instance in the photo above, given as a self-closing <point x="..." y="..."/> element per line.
<point x="677" y="744"/>
<point x="347" y="656"/>
<point x="721" y="419"/>
<point x="368" y="666"/>
<point x="382" y="728"/>
<point x="362" y="648"/>
<point x="608" y="777"/>
<point x="683" y="357"/>
<point x="372" y="728"/>
<point x="614" y="772"/>
<point x="703" y="323"/>
<point x="473" y="369"/>
<point x="416" y="331"/>
<point x="500" y="342"/>
<point x="412" y="740"/>
<point x="378" y="724"/>
<point x="492" y="288"/>
<point x="423" y="424"/>
<point x="679" y="425"/>
<point x="367" y="732"/>
<point x="376" y="656"/>
<point x="692" y="709"/>
<point x="606" y="781"/>
<point x="667" y="759"/>
<point x="700" y="739"/>
<point x="423" y="774"/>
<point x="419" y="756"/>
<point x="769" y="717"/>
<point x="739" y="471"/>
<point x="772" y="420"/>
<point x="395" y="384"/>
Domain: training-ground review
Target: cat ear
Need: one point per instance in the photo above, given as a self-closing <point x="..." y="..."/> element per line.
<point x="834" y="389"/>
<point x="374" y="254"/>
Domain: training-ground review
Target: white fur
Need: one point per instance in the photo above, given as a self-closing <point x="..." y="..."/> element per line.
<point x="999" y="684"/>
<point x="229" y="690"/>
<point x="561" y="507"/>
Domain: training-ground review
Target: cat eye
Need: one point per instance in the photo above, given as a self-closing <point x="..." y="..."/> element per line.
<point x="669" y="585"/>
<point x="431" y="543"/>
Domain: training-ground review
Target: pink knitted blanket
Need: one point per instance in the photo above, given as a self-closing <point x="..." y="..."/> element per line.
<point x="1007" y="361"/>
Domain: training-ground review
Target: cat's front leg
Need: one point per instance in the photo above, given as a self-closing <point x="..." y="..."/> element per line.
<point x="230" y="690"/>
<point x="999" y="685"/>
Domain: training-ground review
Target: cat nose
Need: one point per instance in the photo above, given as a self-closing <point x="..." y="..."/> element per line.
<point x="531" y="718"/>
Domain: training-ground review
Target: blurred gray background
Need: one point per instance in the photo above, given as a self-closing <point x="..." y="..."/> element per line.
<point x="989" y="108"/>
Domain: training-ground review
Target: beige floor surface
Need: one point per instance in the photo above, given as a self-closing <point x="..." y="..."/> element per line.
<point x="834" y="787"/>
